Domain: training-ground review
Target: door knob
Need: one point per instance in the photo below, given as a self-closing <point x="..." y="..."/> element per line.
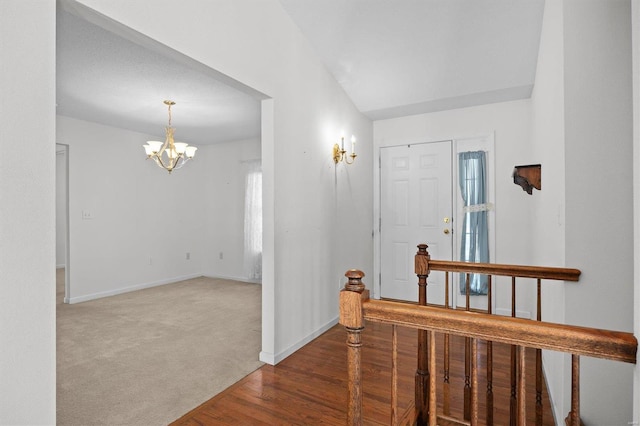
<point x="447" y="220"/>
<point x="446" y="231"/>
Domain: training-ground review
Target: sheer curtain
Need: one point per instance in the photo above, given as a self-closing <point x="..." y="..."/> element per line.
<point x="474" y="246"/>
<point x="253" y="220"/>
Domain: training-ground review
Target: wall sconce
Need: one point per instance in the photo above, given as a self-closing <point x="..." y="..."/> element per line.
<point x="340" y="154"/>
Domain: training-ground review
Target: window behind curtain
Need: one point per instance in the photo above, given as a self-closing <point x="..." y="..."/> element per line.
<point x="474" y="246"/>
<point x="253" y="220"/>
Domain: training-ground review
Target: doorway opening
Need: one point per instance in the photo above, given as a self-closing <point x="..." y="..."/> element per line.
<point x="62" y="223"/>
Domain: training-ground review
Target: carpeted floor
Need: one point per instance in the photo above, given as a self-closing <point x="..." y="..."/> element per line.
<point x="147" y="357"/>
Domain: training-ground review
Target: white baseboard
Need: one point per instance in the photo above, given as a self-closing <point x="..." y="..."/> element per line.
<point x="226" y="277"/>
<point x="519" y="314"/>
<point x="274" y="359"/>
<point x="116" y="291"/>
<point x="267" y="357"/>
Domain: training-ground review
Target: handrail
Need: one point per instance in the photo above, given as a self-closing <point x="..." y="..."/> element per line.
<point x="423" y="267"/>
<point x="597" y="343"/>
<point x="519" y="271"/>
<point x="356" y="308"/>
<point x="424" y="264"/>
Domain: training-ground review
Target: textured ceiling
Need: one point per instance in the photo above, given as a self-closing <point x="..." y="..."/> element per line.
<point x="392" y="57"/>
<point x="106" y="78"/>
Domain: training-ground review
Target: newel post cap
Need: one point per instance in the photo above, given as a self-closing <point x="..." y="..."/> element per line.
<point x="355" y="280"/>
<point x="422" y="260"/>
<point x="351" y="300"/>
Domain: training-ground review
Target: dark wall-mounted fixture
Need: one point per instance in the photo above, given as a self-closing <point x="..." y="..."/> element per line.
<point x="528" y="177"/>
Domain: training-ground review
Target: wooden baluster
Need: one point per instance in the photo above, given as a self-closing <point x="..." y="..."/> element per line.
<point x="467" y="291"/>
<point x="522" y="415"/>
<point x="489" y="362"/>
<point x="467" y="361"/>
<point x="422" y="373"/>
<point x="433" y="412"/>
<point x="446" y="289"/>
<point x="394" y="374"/>
<point x="539" y="360"/>
<point x="351" y="318"/>
<point x="474" y="382"/>
<point x="573" y="418"/>
<point x="514" y="400"/>
<point x="445" y="387"/>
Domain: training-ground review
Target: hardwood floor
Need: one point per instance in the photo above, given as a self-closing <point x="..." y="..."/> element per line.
<point x="309" y="387"/>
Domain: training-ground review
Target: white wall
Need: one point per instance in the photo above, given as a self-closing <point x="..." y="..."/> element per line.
<point x="143" y="220"/>
<point x="224" y="191"/>
<point x="511" y="122"/>
<point x="140" y="211"/>
<point x="27" y="216"/>
<point x="598" y="115"/>
<point x="582" y="127"/>
<point x="256" y="43"/>
<point x="548" y="222"/>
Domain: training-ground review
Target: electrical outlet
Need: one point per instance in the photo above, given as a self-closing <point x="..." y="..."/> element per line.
<point x="87" y="215"/>
<point x="188" y="256"/>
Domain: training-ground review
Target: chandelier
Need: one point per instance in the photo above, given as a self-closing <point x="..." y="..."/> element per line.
<point x="169" y="155"/>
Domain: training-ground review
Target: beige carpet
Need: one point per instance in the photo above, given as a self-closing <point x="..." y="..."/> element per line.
<point x="147" y="357"/>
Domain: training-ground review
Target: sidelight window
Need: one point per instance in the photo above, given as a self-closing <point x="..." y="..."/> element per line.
<point x="474" y="245"/>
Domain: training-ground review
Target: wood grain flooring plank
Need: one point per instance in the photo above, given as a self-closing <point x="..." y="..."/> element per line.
<point x="310" y="386"/>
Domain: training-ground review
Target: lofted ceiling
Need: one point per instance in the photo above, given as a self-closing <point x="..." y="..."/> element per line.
<point x="404" y="57"/>
<point x="392" y="57"/>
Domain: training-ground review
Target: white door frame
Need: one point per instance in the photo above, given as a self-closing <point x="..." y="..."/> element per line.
<point x="63" y="149"/>
<point x="459" y="144"/>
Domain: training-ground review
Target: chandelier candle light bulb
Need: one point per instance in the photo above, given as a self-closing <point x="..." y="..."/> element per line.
<point x="177" y="153"/>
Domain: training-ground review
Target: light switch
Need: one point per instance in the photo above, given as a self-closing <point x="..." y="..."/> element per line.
<point x="87" y="215"/>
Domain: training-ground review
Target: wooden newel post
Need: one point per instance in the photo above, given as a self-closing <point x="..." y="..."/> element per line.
<point x="351" y="318"/>
<point x="422" y="259"/>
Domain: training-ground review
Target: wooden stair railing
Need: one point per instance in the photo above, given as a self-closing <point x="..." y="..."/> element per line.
<point x="356" y="308"/>
<point x="423" y="266"/>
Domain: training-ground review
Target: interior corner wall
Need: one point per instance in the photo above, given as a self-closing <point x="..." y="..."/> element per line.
<point x="27" y="216"/>
<point x="548" y="220"/>
<point x="256" y="43"/>
<point x="130" y="222"/>
<point x="224" y="195"/>
<point x="511" y="123"/>
<point x="599" y="192"/>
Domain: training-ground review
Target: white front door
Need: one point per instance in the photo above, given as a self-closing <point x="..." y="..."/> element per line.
<point x="415" y="207"/>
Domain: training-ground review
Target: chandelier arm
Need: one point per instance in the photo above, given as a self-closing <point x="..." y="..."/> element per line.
<point x="353" y="158"/>
<point x="179" y="164"/>
<point x="161" y="163"/>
